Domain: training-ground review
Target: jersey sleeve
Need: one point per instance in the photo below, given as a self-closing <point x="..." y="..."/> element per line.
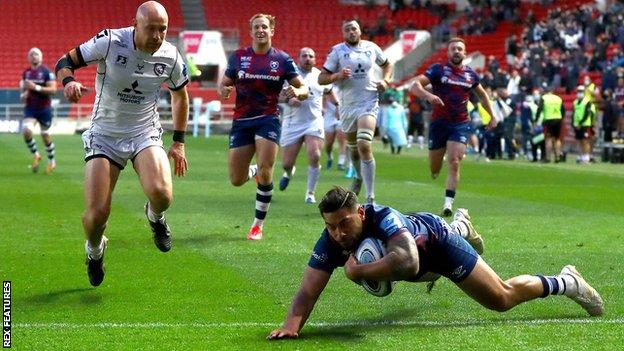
<point x="325" y="256"/>
<point x="179" y="74"/>
<point x="95" y="49"/>
<point x="49" y="76"/>
<point x="230" y="71"/>
<point x="391" y="224"/>
<point x="380" y="57"/>
<point x="290" y="69"/>
<point x="332" y="63"/>
<point x="434" y="72"/>
<point x="476" y="78"/>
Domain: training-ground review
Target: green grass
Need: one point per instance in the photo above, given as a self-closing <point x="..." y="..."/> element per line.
<point x="215" y="290"/>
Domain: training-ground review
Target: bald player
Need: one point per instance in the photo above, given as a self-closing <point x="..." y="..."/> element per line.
<point x="350" y="66"/>
<point x="132" y="63"/>
<point x="303" y="122"/>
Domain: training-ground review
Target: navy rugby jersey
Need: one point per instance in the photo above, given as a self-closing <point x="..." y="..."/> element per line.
<point x="381" y="222"/>
<point x="258" y="79"/>
<point x="40" y="76"/>
<point x="452" y="85"/>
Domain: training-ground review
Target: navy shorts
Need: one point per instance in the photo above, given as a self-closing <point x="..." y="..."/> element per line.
<point x="450" y="255"/>
<point x="441" y="131"/>
<point x="42" y="115"/>
<point x="244" y="131"/>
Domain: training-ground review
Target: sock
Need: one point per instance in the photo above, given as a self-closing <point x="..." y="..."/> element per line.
<point x="341" y="159"/>
<point x="449" y="198"/>
<point x="263" y="200"/>
<point x="313" y="177"/>
<point x="153" y="216"/>
<point x="410" y="140"/>
<point x="554" y="285"/>
<point x="421" y="141"/>
<point x="32" y="146"/>
<point x="95" y="252"/>
<point x="288" y="173"/>
<point x="368" y="176"/>
<point x="50" y="149"/>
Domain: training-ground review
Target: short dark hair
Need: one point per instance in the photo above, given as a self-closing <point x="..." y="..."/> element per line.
<point x="456" y="40"/>
<point x="336" y="199"/>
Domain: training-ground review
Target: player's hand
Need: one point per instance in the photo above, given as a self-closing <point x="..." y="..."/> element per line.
<point x="382" y="86"/>
<point x="73" y="91"/>
<point x="350" y="267"/>
<point x="493" y="123"/>
<point x="226" y="91"/>
<point x="434" y="100"/>
<point x="176" y="152"/>
<point x="282" y="333"/>
<point x="294" y="102"/>
<point x="29" y="85"/>
<point x="345" y="73"/>
<point x="24" y="96"/>
<point x="290" y="92"/>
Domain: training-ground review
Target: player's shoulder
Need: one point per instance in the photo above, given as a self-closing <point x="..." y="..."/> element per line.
<point x="436" y="66"/>
<point x="340" y="47"/>
<point x="280" y="54"/>
<point x="367" y="44"/>
<point x="167" y="50"/>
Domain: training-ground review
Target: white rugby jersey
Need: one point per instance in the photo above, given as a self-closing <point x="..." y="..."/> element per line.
<point x="360" y="87"/>
<point x="312" y="107"/>
<point x="128" y="81"/>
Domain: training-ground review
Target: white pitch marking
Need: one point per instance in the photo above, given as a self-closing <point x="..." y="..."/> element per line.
<point x="235" y="325"/>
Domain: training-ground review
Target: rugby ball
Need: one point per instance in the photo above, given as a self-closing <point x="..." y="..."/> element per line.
<point x="371" y="250"/>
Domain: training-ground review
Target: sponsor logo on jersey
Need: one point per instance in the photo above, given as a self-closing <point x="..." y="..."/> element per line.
<point x="320" y="257"/>
<point x="121" y="61"/>
<point x="245" y="58"/>
<point x="139" y="68"/>
<point x="274" y="65"/>
<point x="131" y="95"/>
<point x="159" y="68"/>
<point x="244" y="75"/>
<point x="184" y="70"/>
<point x="447" y="80"/>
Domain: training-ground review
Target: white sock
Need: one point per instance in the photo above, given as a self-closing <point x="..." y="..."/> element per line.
<point x="313" y="177"/>
<point x="448" y="202"/>
<point x="153" y="216"/>
<point x="341" y="159"/>
<point x="290" y="173"/>
<point x="368" y="176"/>
<point x="253" y="170"/>
<point x="421" y="141"/>
<point x="95" y="252"/>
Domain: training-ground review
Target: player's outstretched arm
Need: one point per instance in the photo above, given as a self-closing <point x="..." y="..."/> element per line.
<point x="73" y="90"/>
<point x="314" y="281"/>
<point x="400" y="263"/>
<point x="180" y="112"/>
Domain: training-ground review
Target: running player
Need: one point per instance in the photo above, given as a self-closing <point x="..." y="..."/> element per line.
<point x="421" y="246"/>
<point x="37" y="85"/>
<point x="449" y="129"/>
<point x="258" y="73"/>
<point x="350" y="66"/>
<point x="132" y="62"/>
<point x="303" y="122"/>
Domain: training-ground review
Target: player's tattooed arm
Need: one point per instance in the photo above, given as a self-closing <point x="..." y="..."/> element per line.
<point x="400" y="263"/>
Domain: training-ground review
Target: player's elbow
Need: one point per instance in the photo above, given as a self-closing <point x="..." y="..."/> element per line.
<point x="406" y="266"/>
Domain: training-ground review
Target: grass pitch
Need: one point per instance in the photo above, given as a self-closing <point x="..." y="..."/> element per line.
<point x="217" y="291"/>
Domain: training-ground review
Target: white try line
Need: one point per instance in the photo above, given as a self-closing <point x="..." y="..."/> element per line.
<point x="364" y="324"/>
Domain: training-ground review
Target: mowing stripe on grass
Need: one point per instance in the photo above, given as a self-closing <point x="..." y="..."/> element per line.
<point x="235" y="325"/>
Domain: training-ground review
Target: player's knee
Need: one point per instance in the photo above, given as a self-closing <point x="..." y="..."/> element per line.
<point x="453" y="162"/>
<point x="500" y="302"/>
<point x="161" y="194"/>
<point x="96" y="216"/>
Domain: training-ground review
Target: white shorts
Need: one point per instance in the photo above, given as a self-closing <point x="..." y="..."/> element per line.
<point x="331" y="124"/>
<point x="292" y="132"/>
<point x="119" y="150"/>
<point x="349" y="115"/>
